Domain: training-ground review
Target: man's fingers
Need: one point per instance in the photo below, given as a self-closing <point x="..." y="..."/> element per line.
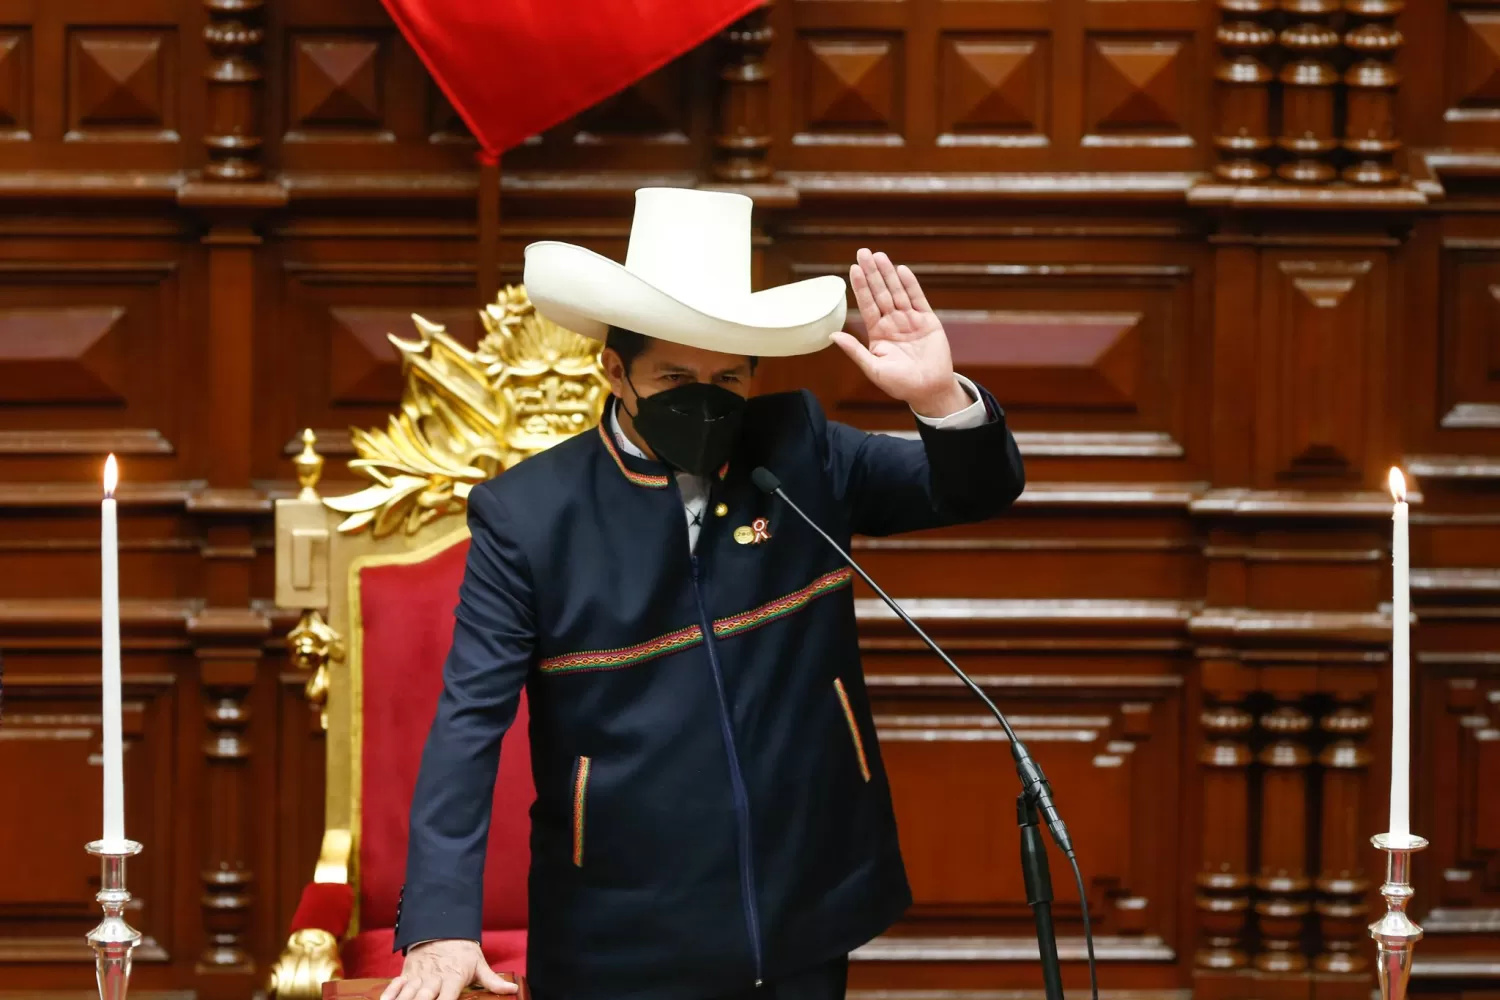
<point x="892" y="281"/>
<point x="494" y="982"/>
<point x="881" y="293"/>
<point x="913" y="289"/>
<point x="857" y="351"/>
<point x="394" y="988"/>
<point x="409" y="987"/>
<point x="862" y="297"/>
<point x="428" y="990"/>
<point x="451" y="985"/>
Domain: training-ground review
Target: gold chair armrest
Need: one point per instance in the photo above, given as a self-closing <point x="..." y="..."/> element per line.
<point x="333" y="857"/>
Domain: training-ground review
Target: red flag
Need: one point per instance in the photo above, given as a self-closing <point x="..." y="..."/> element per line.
<point x="513" y="68"/>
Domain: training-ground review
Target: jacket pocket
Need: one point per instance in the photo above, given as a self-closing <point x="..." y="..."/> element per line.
<point x="580" y="806"/>
<point x="859" y="743"/>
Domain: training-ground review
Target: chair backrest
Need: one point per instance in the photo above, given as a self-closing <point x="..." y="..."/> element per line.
<point x="376" y="573"/>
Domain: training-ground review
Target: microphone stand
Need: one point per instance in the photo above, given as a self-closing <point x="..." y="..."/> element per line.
<point x="1034" y="802"/>
<point x="1039" y="894"/>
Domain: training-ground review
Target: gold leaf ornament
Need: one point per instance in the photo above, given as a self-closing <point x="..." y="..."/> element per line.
<point x="466" y="416"/>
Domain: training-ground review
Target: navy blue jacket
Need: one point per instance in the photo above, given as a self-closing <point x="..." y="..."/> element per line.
<point x="711" y="806"/>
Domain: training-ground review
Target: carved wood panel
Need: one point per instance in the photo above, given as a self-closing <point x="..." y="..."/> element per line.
<point x="981" y="86"/>
<point x="1473" y="70"/>
<point x="1075" y="348"/>
<point x="1464" y="808"/>
<point x="1322" y="334"/>
<point x="1470" y="366"/>
<point x="88" y="352"/>
<point x="1112" y="743"/>
<point x="91" y="82"/>
<point x="333" y="336"/>
<point x="49" y="754"/>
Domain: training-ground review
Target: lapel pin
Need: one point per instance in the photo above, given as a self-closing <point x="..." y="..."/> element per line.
<point x="757" y="531"/>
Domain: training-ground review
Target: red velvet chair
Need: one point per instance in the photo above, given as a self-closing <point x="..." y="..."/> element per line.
<point x="375" y="575"/>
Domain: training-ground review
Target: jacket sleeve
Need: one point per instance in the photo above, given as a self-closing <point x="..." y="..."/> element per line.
<point x="494" y="634"/>
<point x="890" y="485"/>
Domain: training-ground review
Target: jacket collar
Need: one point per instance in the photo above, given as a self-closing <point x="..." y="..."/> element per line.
<point x="643" y="472"/>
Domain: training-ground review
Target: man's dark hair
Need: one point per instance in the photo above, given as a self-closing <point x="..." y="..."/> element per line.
<point x="630" y="345"/>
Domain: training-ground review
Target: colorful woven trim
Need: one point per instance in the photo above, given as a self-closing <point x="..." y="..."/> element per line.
<point x="783" y="606"/>
<point x="859" y="743"/>
<point x="580" y="796"/>
<point x="629" y="656"/>
<point x="639" y="478"/>
<point x="672" y="642"/>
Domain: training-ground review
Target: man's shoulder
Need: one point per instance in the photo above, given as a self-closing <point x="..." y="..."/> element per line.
<point x="787" y="412"/>
<point x="553" y="472"/>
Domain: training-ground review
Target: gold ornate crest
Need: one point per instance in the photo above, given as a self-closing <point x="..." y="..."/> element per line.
<point x="467" y="415"/>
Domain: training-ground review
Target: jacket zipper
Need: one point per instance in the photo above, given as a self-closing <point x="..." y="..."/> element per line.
<point x="736" y="779"/>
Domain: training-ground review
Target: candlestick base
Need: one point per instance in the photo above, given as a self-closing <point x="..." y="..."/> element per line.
<point x="1395" y="934"/>
<point x="113" y="940"/>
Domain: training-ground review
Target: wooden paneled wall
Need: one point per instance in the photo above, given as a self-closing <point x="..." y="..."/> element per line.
<point x="1224" y="263"/>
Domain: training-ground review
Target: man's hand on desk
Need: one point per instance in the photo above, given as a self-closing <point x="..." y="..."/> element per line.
<point x="440" y="970"/>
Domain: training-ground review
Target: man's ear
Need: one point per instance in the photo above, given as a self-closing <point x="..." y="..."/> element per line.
<point x="614" y="371"/>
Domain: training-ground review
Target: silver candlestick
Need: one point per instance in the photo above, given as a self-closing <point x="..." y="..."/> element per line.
<point x="1395" y="934"/>
<point x="114" y="939"/>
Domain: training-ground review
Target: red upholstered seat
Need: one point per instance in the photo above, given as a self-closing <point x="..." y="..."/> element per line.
<point x="406" y="616"/>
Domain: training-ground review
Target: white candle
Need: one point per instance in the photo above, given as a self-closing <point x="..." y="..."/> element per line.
<point x="109" y="615"/>
<point x="1400" y="824"/>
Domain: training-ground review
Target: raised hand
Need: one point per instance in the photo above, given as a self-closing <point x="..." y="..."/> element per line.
<point x="907" y="355"/>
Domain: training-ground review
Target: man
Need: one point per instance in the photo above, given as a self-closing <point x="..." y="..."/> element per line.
<point x="712" y="816"/>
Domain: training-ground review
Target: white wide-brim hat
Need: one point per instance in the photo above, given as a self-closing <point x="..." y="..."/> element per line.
<point x="686" y="279"/>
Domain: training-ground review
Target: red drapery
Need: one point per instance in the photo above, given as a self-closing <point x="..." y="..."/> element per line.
<point x="513" y="68"/>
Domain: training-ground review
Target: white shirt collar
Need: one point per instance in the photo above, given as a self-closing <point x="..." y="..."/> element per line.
<point x="626" y="445"/>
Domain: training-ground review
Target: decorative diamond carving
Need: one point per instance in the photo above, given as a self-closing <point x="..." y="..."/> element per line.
<point x="850" y="83"/>
<point x="1081" y="360"/>
<point x="364" y="366"/>
<point x="1478" y="50"/>
<point x="336" y="82"/>
<point x="15" y="81"/>
<point x="119" y="80"/>
<point x="1318" y="315"/>
<point x="653" y="110"/>
<point x="992" y="84"/>
<point x="1136" y="85"/>
<point x="62" y="355"/>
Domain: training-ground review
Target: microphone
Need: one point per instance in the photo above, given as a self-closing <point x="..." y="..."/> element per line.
<point x="1033" y="781"/>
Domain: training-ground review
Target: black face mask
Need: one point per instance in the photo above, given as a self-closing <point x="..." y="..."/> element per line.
<point x="690" y="427"/>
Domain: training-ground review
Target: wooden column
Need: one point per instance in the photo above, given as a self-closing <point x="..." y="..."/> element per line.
<point x="229" y="632"/>
<point x="1223" y="880"/>
<point x="1370" y="125"/>
<point x="1308" y="93"/>
<point x="1343" y="880"/>
<point x="232" y="133"/>
<point x="1243" y="96"/>
<point x="1282" y="881"/>
<point x="742" y="143"/>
